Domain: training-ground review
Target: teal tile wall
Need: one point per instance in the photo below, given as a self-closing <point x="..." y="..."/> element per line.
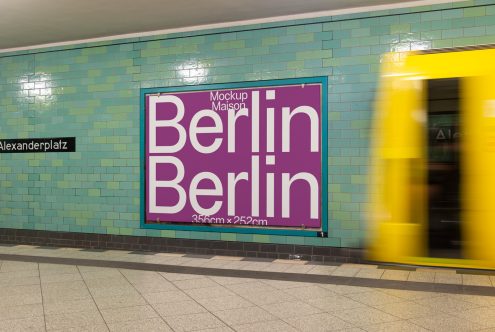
<point x="92" y="91"/>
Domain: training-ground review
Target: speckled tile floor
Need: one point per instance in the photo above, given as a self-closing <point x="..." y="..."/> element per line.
<point x="39" y="295"/>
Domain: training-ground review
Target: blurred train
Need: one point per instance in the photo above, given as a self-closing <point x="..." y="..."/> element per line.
<point x="433" y="159"/>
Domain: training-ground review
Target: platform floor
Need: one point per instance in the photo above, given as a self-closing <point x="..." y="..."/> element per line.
<point x="67" y="289"/>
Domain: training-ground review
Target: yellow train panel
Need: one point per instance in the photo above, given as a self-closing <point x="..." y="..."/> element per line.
<point x="399" y="185"/>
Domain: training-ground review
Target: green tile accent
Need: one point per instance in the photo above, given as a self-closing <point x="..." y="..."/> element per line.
<point x="227" y="237"/>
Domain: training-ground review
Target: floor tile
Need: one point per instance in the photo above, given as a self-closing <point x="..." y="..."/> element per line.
<point x="116" y="291"/>
<point x="334" y="303"/>
<point x="209" y="292"/>
<point x="395" y="326"/>
<point x="162" y="286"/>
<point x="242" y="316"/>
<point x="370" y="273"/>
<point x="14" y="280"/>
<point x="434" y="270"/>
<point x="180" y="276"/>
<point x="291" y="309"/>
<point x="54" y="294"/>
<point x="374" y="297"/>
<point x="476" y="280"/>
<point x="345" y="271"/>
<point x="63" y="307"/>
<point x="309" y="292"/>
<point x="361" y="266"/>
<point x="108" y="282"/>
<point x="230" y="280"/>
<point x="15" y="300"/>
<point x="178" y="308"/>
<point x="445" y="322"/>
<point x="319" y="322"/>
<point x="19" y="274"/>
<point x="446" y="303"/>
<point x="63" y="277"/>
<point x="322" y="269"/>
<point x="421" y="276"/>
<point x="13" y="266"/>
<point x="247" y="288"/>
<point x="20" y="290"/>
<point x="193" y="322"/>
<point x="364" y="316"/>
<point x="140" y="276"/>
<point x="217" y="329"/>
<point x="408" y="294"/>
<point x="254" y="266"/>
<point x="345" y="289"/>
<point x="90" y="274"/>
<point x="277" y="267"/>
<point x="118" y="315"/>
<point x="87" y="328"/>
<point x="70" y="284"/>
<point x="299" y="269"/>
<point x="46" y="269"/>
<point x="153" y="324"/>
<point x="195" y="283"/>
<point x="73" y="319"/>
<point x="478" y="299"/>
<point x="32" y="324"/>
<point x="448" y="278"/>
<point x="21" y="311"/>
<point x="267" y="297"/>
<point x="270" y="326"/>
<point x="484" y="316"/>
<point x="224" y="303"/>
<point x="395" y="275"/>
<point x="166" y="297"/>
<point x="119" y="301"/>
<point x="285" y="285"/>
<point x="406" y="310"/>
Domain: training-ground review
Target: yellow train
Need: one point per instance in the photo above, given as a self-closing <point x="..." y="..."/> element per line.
<point x="433" y="159"/>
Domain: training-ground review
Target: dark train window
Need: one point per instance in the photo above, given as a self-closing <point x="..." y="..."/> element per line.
<point x="444" y="173"/>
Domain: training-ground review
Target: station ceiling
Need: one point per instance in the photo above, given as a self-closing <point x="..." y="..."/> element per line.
<point x="25" y="23"/>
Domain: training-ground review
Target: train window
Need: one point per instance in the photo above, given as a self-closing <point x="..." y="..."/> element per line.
<point x="444" y="214"/>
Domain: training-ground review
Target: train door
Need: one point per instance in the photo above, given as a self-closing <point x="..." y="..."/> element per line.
<point x="433" y="167"/>
<point x="460" y="159"/>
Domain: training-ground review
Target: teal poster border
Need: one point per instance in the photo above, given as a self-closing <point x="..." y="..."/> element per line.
<point x="323" y="232"/>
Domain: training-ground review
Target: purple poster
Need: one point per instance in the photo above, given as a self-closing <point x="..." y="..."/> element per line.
<point x="249" y="156"/>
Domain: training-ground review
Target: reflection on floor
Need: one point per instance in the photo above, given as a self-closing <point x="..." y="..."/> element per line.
<point x="38" y="296"/>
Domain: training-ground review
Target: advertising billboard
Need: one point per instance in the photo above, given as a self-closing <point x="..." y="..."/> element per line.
<point x="236" y="155"/>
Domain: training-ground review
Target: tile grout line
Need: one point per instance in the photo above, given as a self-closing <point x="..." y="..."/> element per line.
<point x="221" y="320"/>
<point x="144" y="298"/>
<point x="325" y="312"/>
<point x="92" y="298"/>
<point x="284" y="319"/>
<point x="349" y="322"/>
<point x="245" y="299"/>
<point x="42" y="298"/>
<point x="399" y="318"/>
